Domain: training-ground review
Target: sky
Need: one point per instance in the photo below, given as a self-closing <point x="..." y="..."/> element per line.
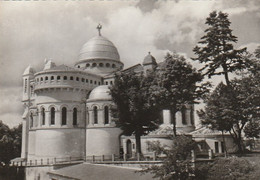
<point x="31" y="31"/>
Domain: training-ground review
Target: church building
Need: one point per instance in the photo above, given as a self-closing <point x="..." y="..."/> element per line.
<point x="67" y="109"/>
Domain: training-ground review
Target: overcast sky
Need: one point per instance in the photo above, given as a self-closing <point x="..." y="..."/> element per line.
<point x="34" y="30"/>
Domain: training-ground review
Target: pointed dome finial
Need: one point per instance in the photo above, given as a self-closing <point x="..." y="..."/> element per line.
<point x="99" y="27"/>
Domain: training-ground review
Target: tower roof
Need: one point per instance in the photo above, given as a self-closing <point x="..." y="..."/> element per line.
<point x="100" y="93"/>
<point x="29" y="70"/>
<point x="99" y="47"/>
<point x="149" y="59"/>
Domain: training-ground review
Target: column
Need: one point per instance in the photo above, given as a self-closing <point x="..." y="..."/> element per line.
<point x="25" y="138"/>
<point x="69" y="118"/>
<point x="57" y="118"/>
<point x="166" y="116"/>
<point x="47" y="118"/>
<point x="101" y="119"/>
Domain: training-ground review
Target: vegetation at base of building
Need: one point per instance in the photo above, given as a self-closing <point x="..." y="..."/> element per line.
<point x="177" y="163"/>
<point x="12" y="173"/>
<point x="10" y="148"/>
<point x="176" y="85"/>
<point x="234" y="108"/>
<point x="10" y="143"/>
<point x="136" y="115"/>
<point x="226" y="169"/>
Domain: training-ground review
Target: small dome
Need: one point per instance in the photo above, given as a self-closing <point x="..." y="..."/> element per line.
<point x="149" y="59"/>
<point x="99" y="47"/>
<point x="100" y="93"/>
<point x="29" y="70"/>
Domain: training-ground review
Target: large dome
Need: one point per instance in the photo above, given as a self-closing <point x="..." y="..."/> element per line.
<point x="99" y="47"/>
<point x="100" y="93"/>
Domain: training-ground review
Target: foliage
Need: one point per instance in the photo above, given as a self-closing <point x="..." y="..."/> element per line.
<point x="177" y="164"/>
<point x="216" y="51"/>
<point x="10" y="143"/>
<point x="176" y="85"/>
<point x="230" y="168"/>
<point x="252" y="129"/>
<point x="136" y="114"/>
<point x="257" y="52"/>
<point x="230" y="108"/>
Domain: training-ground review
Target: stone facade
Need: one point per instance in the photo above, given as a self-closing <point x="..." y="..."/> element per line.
<point x="67" y="109"/>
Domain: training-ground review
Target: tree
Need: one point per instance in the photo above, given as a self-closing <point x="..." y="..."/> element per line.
<point x="131" y="95"/>
<point x="230" y="108"/>
<point x="252" y="129"/>
<point x="10" y="143"/>
<point x="257" y="52"/>
<point x="216" y="51"/>
<point x="176" y="85"/>
<point x="177" y="164"/>
<point x="215" y="113"/>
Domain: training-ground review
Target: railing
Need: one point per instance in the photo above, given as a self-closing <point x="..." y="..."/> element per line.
<point x="127" y="158"/>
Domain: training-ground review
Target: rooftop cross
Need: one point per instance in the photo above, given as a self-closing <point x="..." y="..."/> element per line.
<point x="99" y="27"/>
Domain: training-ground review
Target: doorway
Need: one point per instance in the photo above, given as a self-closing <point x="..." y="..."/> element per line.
<point x="129" y="148"/>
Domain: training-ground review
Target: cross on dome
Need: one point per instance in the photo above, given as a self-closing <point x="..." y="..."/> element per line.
<point x="99" y="27"/>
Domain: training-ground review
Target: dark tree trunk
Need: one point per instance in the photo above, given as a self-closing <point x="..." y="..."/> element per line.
<point x="237" y="139"/>
<point x="224" y="66"/>
<point x="173" y="121"/>
<point x="240" y="144"/>
<point x="138" y="143"/>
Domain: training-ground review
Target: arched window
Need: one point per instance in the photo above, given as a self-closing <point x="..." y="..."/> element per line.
<point x="111" y="82"/>
<point x="95" y="115"/>
<point x="31" y="120"/>
<point x="82" y="80"/>
<point x="52" y="77"/>
<point x="107" y="65"/>
<point x="95" y="82"/>
<point x="78" y="66"/>
<point x="106" y="83"/>
<point x="101" y="64"/>
<point x="113" y="65"/>
<point x="94" y="64"/>
<point x="87" y="65"/>
<point x="25" y="85"/>
<point x="65" y="78"/>
<point x="52" y="115"/>
<point x="183" y="115"/>
<point x="58" y="77"/>
<point x="91" y="81"/>
<point x="64" y="116"/>
<point x="75" y="116"/>
<point x="71" y="77"/>
<point x="46" y="78"/>
<point x="192" y="116"/>
<point x="77" y="78"/>
<point x="43" y="116"/>
<point x="86" y="80"/>
<point x="106" y="114"/>
<point x="41" y="79"/>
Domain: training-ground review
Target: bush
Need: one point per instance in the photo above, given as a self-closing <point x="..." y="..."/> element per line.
<point x="233" y="168"/>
